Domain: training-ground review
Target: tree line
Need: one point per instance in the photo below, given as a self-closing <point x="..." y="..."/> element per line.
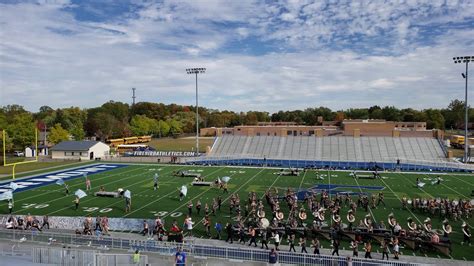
<point x="117" y="119"/>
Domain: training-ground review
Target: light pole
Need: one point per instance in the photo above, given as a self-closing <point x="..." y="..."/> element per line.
<point x="196" y="71"/>
<point x="465" y="59"/>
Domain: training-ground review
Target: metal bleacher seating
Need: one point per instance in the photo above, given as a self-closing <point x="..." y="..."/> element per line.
<point x="329" y="148"/>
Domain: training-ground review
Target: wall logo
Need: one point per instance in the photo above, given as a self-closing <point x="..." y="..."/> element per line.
<point x="333" y="189"/>
<point x="47" y="179"/>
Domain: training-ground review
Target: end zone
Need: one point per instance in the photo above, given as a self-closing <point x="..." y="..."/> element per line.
<point x="49" y="178"/>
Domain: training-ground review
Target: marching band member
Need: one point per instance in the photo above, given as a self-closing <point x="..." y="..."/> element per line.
<point x="467" y="234"/>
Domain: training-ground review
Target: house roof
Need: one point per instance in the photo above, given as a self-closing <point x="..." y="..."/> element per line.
<point x="74" y="145"/>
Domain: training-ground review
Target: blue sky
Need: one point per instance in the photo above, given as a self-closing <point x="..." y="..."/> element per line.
<point x="259" y="55"/>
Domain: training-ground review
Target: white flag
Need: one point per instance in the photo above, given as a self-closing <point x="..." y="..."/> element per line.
<point x="13" y="186"/>
<point x="225" y="179"/>
<point x="80" y="194"/>
<point x="184" y="190"/>
<point x="8" y="195"/>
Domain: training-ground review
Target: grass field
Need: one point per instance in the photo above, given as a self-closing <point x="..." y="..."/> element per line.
<point x="181" y="144"/>
<point x="146" y="203"/>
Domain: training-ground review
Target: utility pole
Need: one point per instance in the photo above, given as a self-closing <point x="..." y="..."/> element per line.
<point x="133" y="96"/>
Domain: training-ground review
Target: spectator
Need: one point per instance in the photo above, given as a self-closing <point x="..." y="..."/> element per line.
<point x="136" y="257"/>
<point x="315" y="245"/>
<point x="303" y="245"/>
<point x="252" y="234"/>
<point x="273" y="256"/>
<point x="396" y="249"/>
<point x="218" y="228"/>
<point x="45" y="221"/>
<point x="180" y="258"/>
<point x="230" y="233"/>
<point x="264" y="239"/>
<point x="145" y="228"/>
<point x="384" y="250"/>
<point x="276" y="238"/>
<point x="335" y="246"/>
<point x="368" y="250"/>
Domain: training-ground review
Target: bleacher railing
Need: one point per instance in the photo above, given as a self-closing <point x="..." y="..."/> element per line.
<point x="384" y="163"/>
<point x="166" y="249"/>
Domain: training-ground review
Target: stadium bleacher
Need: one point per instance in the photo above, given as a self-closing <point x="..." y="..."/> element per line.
<point x="332" y="148"/>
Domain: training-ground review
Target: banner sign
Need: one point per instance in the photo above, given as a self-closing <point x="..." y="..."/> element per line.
<point x="164" y="153"/>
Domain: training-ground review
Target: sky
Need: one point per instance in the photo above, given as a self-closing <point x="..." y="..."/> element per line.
<point x="259" y="55"/>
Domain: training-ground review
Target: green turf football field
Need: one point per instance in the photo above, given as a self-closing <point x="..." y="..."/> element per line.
<point x="146" y="203"/>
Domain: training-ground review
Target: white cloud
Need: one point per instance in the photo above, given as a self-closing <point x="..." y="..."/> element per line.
<point x="47" y="57"/>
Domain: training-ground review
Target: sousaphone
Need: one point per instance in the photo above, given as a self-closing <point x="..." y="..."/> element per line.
<point x="464" y="226"/>
<point x="350" y="216"/>
<point x="261" y="213"/>
<point x="447" y="227"/>
<point x="368" y="220"/>
<point x="336" y="218"/>
<point x="411" y="225"/>
<point x="280" y="215"/>
<point x="302" y="214"/>
<point x="321" y="214"/>
<point x="427" y="225"/>
<point x="391" y="220"/>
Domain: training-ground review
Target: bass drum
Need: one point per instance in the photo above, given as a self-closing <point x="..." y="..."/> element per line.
<point x="264" y="223"/>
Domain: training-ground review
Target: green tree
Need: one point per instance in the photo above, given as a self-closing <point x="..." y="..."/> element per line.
<point x="163" y="128"/>
<point x="142" y="125"/>
<point x="77" y="132"/>
<point x="58" y="134"/>
<point x="435" y="119"/>
<point x="176" y="127"/>
<point x="21" y="130"/>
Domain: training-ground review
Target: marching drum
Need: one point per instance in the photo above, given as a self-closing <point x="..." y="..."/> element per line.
<point x="264" y="223"/>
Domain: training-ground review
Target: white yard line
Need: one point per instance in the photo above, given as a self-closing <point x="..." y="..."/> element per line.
<point x="462" y="195"/>
<point x="79" y="184"/>
<point x="241" y="186"/>
<point x="154" y="201"/>
<point x="408" y="207"/>
<point x="301" y="183"/>
<point x="145" y="181"/>
<point x="93" y="198"/>
<point x="462" y="180"/>
<point x="370" y="209"/>
<point x="408" y="179"/>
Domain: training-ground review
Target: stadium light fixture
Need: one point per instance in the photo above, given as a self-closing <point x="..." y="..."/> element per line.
<point x="196" y="71"/>
<point x="466" y="60"/>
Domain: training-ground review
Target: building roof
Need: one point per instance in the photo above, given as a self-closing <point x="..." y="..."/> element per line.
<point x="74" y="145"/>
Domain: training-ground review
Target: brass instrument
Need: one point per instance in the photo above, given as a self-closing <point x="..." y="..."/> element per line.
<point x="261" y="213"/>
<point x="464" y="226"/>
<point x="427" y="225"/>
<point x="367" y="220"/>
<point x="447" y="227"/>
<point x="350" y="217"/>
<point x="411" y="225"/>
<point x="302" y="215"/>
<point x="280" y="215"/>
<point x="391" y="220"/>
<point x="336" y="218"/>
